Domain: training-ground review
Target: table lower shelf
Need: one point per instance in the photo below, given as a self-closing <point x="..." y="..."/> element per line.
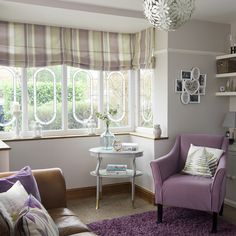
<point x="103" y="173"/>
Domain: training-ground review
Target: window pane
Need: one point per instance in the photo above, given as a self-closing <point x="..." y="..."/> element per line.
<point x="44" y="97"/>
<point x="10" y="91"/>
<point x="83" y="89"/>
<point x="116" y="94"/>
<point x="146" y="117"/>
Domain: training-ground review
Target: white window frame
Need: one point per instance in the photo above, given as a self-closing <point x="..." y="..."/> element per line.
<point x="139" y="128"/>
<point x="133" y="107"/>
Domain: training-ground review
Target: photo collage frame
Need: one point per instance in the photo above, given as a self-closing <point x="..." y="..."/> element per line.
<point x="191" y="85"/>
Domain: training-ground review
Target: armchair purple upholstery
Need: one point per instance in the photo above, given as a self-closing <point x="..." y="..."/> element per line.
<point x="195" y="192"/>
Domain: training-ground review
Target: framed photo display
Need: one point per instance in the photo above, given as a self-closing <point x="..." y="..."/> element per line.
<point x="191" y="85"/>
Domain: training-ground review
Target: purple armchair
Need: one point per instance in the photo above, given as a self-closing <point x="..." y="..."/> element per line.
<point x="195" y="192"/>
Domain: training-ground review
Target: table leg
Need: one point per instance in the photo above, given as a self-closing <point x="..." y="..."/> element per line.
<point x="100" y="189"/>
<point x="133" y="181"/>
<point x="97" y="195"/>
<point x="98" y="181"/>
<point x="133" y="190"/>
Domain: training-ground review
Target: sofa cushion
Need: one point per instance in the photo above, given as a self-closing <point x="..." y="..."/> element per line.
<point x="34" y="220"/>
<point x="179" y="188"/>
<point x="25" y="177"/>
<point x="68" y="223"/>
<point x="11" y="203"/>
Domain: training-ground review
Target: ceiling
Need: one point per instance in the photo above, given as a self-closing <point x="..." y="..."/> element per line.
<point x="108" y="15"/>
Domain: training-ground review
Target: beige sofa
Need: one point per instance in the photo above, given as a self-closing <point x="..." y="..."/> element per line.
<point x="52" y="188"/>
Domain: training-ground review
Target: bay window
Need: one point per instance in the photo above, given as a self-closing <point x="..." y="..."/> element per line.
<point x="62" y="76"/>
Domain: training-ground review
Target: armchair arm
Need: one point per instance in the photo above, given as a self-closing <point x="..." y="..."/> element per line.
<point x="219" y="184"/>
<point x="167" y="165"/>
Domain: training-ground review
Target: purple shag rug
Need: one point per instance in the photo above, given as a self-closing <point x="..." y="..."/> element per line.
<point x="176" y="221"/>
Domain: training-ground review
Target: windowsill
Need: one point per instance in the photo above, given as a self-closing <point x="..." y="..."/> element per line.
<point x="142" y="135"/>
<point x="148" y="136"/>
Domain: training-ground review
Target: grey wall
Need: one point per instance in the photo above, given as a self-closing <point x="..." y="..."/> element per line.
<point x="200" y="35"/>
<point x="196" y="44"/>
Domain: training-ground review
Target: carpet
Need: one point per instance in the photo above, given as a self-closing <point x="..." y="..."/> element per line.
<point x="176" y="221"/>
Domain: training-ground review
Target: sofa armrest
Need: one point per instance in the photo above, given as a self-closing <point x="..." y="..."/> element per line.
<point x="167" y="165"/>
<point x="219" y="184"/>
<point x="52" y="187"/>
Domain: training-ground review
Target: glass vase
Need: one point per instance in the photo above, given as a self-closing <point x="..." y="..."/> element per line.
<point x="107" y="138"/>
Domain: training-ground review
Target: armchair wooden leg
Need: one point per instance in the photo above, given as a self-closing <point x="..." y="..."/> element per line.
<point x="214" y="223"/>
<point x="222" y="209"/>
<point x="159" y="213"/>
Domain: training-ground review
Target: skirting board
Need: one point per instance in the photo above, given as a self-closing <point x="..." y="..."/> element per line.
<point x="110" y="189"/>
<point x="230" y="203"/>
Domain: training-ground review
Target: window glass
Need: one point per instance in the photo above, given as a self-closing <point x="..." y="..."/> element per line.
<point x="83" y="90"/>
<point x="145" y="109"/>
<point x="45" y="97"/>
<point x="10" y="91"/>
<point x="116" y="96"/>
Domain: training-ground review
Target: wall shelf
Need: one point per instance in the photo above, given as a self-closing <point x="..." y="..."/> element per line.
<point x="225" y="94"/>
<point x="231" y="57"/>
<point x="226" y="75"/>
<point x="227" y="56"/>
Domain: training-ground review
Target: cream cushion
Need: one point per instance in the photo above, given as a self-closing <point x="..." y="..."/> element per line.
<point x="202" y="161"/>
<point x="11" y="203"/>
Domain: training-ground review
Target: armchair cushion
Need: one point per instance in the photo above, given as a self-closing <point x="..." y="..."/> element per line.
<point x="181" y="190"/>
<point x="197" y="162"/>
<point x="202" y="161"/>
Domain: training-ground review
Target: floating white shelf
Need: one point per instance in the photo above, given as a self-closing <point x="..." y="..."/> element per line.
<point x="226" y="75"/>
<point x="226" y="94"/>
<point x="227" y="56"/>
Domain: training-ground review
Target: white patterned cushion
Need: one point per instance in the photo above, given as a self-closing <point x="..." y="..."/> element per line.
<point x="202" y="160"/>
<point x="11" y="203"/>
<point x="34" y="220"/>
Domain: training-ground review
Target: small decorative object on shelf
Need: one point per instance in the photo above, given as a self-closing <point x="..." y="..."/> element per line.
<point x="227" y="87"/>
<point x="222" y="88"/>
<point x="37" y="130"/>
<point x="107" y="136"/>
<point x="232" y="44"/>
<point x="91" y="126"/>
<point x="157" y="131"/>
<point x="16" y="113"/>
<point x="117" y="145"/>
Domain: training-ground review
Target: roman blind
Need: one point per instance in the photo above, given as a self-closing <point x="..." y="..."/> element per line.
<point x="30" y="45"/>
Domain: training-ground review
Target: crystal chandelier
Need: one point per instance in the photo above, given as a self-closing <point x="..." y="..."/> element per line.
<point x="168" y="15"/>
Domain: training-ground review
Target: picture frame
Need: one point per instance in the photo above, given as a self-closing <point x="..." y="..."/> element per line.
<point x="185" y="74"/>
<point x="194" y="99"/>
<point x="178" y="86"/>
<point x="202" y="90"/>
<point x="195" y="73"/>
<point x="202" y="80"/>
<point x="185" y="97"/>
